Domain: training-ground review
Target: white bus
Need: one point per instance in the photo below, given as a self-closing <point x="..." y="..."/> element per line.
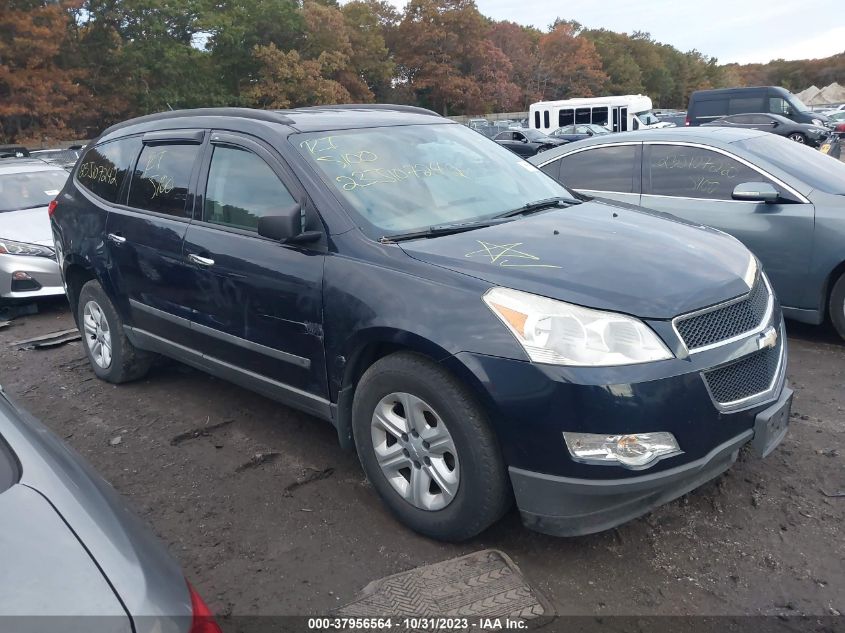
<point x="617" y="114"/>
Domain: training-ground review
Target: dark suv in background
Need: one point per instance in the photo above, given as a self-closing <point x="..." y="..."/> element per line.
<point x="476" y="331"/>
<point x="709" y="105"/>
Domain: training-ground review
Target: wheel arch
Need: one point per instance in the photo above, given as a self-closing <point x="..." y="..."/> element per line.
<point x="834" y="276"/>
<point x="76" y="274"/>
<point x="370" y="346"/>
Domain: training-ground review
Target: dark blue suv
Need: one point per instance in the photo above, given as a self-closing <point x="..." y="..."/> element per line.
<point x="475" y="330"/>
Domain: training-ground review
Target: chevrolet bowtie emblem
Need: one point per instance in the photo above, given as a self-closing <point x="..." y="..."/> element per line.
<point x="769" y="338"/>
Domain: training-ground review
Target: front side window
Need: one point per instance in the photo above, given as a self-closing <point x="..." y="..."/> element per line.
<point x="29" y="190"/>
<point x="695" y="172"/>
<point x="601" y="169"/>
<point x="411" y="177"/>
<point x="162" y="178"/>
<point x="103" y="168"/>
<point x="242" y="188"/>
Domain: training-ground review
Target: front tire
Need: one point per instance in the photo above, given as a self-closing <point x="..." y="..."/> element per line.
<point x="837" y="306"/>
<point x="798" y="138"/>
<point x="111" y="354"/>
<point x="426" y="447"/>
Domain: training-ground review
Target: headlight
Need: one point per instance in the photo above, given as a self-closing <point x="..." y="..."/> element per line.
<point x="9" y="247"/>
<point x="560" y="333"/>
<point x="817" y="122"/>
<point x="817" y="130"/>
<point x="635" y="451"/>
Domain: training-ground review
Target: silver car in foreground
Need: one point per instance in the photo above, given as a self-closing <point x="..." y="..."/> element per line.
<point x="28" y="268"/>
<point x="70" y="548"/>
<point x="783" y="200"/>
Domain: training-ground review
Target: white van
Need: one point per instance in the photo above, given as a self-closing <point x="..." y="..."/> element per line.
<point x="617" y="114"/>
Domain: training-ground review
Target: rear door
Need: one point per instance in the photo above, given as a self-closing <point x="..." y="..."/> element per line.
<point x="696" y="183"/>
<point x="255" y="304"/>
<point x="606" y="171"/>
<point x="144" y="235"/>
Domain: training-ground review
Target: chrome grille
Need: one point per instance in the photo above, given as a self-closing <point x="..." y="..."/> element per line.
<point x="744" y="378"/>
<point x="726" y="321"/>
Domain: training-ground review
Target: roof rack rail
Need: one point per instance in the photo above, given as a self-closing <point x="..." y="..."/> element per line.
<point x="367" y="106"/>
<point x="247" y="113"/>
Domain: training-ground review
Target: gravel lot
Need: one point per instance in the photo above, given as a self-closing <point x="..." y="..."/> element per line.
<point x="269" y="516"/>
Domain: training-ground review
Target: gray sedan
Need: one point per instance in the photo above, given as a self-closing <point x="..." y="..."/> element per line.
<point x="783" y="200"/>
<point x="69" y="547"/>
<point x="28" y="268"/>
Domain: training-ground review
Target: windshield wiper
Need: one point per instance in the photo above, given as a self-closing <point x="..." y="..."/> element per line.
<point x="539" y="205"/>
<point x="441" y="229"/>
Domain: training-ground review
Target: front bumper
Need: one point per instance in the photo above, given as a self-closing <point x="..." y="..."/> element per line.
<point x="564" y="506"/>
<point x="43" y="270"/>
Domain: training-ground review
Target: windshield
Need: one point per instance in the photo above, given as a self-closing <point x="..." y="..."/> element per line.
<point x="796" y="103"/>
<point x="29" y="190"/>
<point x="534" y="135"/>
<point x="647" y="118"/>
<point x="410" y="178"/>
<point x="816" y="169"/>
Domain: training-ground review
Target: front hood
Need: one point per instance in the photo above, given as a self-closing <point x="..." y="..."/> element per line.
<point x="600" y="255"/>
<point x="27" y="225"/>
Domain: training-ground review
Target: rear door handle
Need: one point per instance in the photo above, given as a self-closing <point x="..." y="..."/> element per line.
<point x="116" y="238"/>
<point x="202" y="261"/>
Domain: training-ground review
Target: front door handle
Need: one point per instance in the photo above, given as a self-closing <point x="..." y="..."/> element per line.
<point x="202" y="261"/>
<point x="116" y="238"/>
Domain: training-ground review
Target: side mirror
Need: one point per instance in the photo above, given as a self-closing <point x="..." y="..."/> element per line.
<point x="755" y="192"/>
<point x="282" y="226"/>
<point x="775" y="124"/>
<point x="589" y="132"/>
<point x="524" y="140"/>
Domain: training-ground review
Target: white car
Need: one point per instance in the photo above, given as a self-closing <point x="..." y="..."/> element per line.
<point x="28" y="267"/>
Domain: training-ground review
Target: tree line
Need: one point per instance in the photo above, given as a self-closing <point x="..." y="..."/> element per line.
<point x="68" y="68"/>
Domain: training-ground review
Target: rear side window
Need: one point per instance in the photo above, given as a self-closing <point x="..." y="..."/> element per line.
<point x="711" y="108"/>
<point x="694" y="172"/>
<point x="601" y="169"/>
<point x="104" y="167"/>
<point x="740" y="105"/>
<point x="242" y="188"/>
<point x="162" y="178"/>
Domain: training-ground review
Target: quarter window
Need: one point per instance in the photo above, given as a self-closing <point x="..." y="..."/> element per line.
<point x="242" y="188"/>
<point x="162" y="178"/>
<point x="601" y="169"/>
<point x="104" y="167"/>
<point x="693" y="172"/>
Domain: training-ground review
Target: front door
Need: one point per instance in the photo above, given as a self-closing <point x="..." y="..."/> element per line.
<point x="144" y="235"/>
<point x="256" y="304"/>
<point x="696" y="184"/>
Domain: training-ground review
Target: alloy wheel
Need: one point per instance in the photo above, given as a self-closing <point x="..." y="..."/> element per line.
<point x="97" y="334"/>
<point x="798" y="138"/>
<point x="415" y="451"/>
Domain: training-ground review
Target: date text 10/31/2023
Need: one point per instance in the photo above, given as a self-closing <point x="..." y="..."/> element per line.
<point x="416" y="624"/>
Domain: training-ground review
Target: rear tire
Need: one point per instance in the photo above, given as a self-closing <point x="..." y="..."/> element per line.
<point x="837" y="306"/>
<point x="112" y="356"/>
<point x="408" y="392"/>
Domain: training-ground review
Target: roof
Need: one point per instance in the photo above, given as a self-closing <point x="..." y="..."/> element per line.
<point x="330" y="117"/>
<point x="25" y="165"/>
<point x="689" y="134"/>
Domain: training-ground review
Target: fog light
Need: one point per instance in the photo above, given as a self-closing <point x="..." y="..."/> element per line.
<point x="639" y="450"/>
<point x="20" y="275"/>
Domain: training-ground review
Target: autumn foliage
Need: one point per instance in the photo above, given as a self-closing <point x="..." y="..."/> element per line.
<point x="69" y="68"/>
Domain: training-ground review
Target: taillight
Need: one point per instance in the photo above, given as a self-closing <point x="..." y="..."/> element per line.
<point x="202" y="620"/>
<point x="840" y="128"/>
<point x="51" y="209"/>
<point x="686" y="121"/>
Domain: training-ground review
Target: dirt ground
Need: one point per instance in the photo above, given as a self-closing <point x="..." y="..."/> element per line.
<point x="269" y="516"/>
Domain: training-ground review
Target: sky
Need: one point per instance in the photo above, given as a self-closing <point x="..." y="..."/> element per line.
<point x="745" y="31"/>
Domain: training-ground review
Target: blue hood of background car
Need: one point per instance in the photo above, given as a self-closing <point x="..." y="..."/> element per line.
<point x="602" y="256"/>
